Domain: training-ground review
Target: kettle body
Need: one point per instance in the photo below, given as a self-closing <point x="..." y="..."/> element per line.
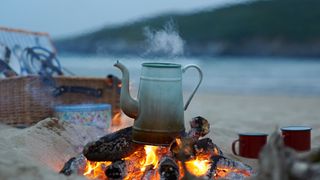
<point x="159" y="110"/>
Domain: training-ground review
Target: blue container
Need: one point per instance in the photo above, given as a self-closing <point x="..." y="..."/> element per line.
<point x="98" y="115"/>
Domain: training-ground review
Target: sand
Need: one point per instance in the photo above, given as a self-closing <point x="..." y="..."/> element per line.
<point x="233" y="114"/>
<point x="39" y="152"/>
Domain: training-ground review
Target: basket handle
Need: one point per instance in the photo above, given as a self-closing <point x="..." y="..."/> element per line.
<point x="6" y="69"/>
<point x="77" y="89"/>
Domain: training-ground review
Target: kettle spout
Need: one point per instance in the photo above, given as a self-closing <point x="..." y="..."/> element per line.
<point x="128" y="105"/>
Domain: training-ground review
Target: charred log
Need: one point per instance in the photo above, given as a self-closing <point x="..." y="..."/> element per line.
<point x="112" y="147"/>
<point x="168" y="169"/>
<point x="149" y="173"/>
<point x="199" y="127"/>
<point x="233" y="169"/>
<point x="121" y="168"/>
<point x="213" y="168"/>
<point x="187" y="148"/>
<point x="75" y="165"/>
<point x="116" y="170"/>
<point x="183" y="149"/>
<point x="67" y="170"/>
<point x="207" y="146"/>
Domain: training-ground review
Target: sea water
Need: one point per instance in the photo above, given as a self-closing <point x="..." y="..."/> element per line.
<point x="235" y="75"/>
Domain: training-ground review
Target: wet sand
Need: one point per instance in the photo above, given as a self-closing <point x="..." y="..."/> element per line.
<point x="25" y="153"/>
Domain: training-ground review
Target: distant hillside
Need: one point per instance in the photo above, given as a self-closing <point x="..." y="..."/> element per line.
<point x="263" y="27"/>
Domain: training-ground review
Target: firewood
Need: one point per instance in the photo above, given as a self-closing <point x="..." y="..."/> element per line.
<point x="187" y="148"/>
<point x="312" y="156"/>
<point x="279" y="162"/>
<point x="67" y="170"/>
<point x="75" y="165"/>
<point x="214" y="163"/>
<point x="112" y="147"/>
<point x="207" y="146"/>
<point x="237" y="170"/>
<point x="116" y="170"/>
<point x="199" y="127"/>
<point x="168" y="169"/>
<point x="121" y="168"/>
<point x="303" y="170"/>
<point x="149" y="173"/>
<point x="183" y="149"/>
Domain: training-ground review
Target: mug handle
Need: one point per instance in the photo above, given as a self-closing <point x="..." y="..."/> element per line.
<point x="234" y="147"/>
<point x="184" y="69"/>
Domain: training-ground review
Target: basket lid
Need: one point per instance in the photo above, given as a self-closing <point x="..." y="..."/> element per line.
<point x="82" y="107"/>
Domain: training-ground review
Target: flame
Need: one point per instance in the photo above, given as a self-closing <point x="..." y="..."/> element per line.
<point x="116" y="120"/>
<point x="119" y="121"/>
<point x="224" y="171"/>
<point x="198" y="167"/>
<point x="146" y="161"/>
<point x="143" y="164"/>
<point x="94" y="170"/>
<point x="151" y="157"/>
<point x="149" y="161"/>
<point x="178" y="141"/>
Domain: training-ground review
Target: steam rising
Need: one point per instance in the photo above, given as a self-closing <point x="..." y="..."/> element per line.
<point x="166" y="41"/>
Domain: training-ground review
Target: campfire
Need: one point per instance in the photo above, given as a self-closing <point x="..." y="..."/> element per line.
<point x="191" y="156"/>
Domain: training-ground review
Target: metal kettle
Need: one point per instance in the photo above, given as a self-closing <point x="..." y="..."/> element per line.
<point x="159" y="110"/>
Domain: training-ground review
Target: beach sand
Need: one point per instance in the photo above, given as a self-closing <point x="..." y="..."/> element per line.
<point x="232" y="114"/>
<point x="38" y="152"/>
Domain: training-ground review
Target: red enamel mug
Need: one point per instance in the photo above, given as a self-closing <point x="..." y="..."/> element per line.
<point x="297" y="137"/>
<point x="250" y="144"/>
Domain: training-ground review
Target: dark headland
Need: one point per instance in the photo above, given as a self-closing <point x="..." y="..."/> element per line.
<point x="256" y="28"/>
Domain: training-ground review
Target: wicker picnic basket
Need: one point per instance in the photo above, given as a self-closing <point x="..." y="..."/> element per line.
<point x="26" y="100"/>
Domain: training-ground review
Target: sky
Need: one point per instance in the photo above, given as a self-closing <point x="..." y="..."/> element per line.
<point x="62" y="18"/>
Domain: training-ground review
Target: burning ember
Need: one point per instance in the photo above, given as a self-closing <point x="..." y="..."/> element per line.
<point x="198" y="167"/>
<point x="115" y="156"/>
<point x="145" y="160"/>
<point x="148" y="160"/>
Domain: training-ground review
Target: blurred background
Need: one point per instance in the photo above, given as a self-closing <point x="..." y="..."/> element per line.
<point x="269" y="47"/>
<point x="260" y="58"/>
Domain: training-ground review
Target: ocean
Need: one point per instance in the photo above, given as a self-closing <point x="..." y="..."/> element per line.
<point x="232" y="75"/>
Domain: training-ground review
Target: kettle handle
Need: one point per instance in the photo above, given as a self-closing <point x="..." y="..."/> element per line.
<point x="184" y="69"/>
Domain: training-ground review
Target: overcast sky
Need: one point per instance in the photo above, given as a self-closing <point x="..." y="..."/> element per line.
<point x="66" y="17"/>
